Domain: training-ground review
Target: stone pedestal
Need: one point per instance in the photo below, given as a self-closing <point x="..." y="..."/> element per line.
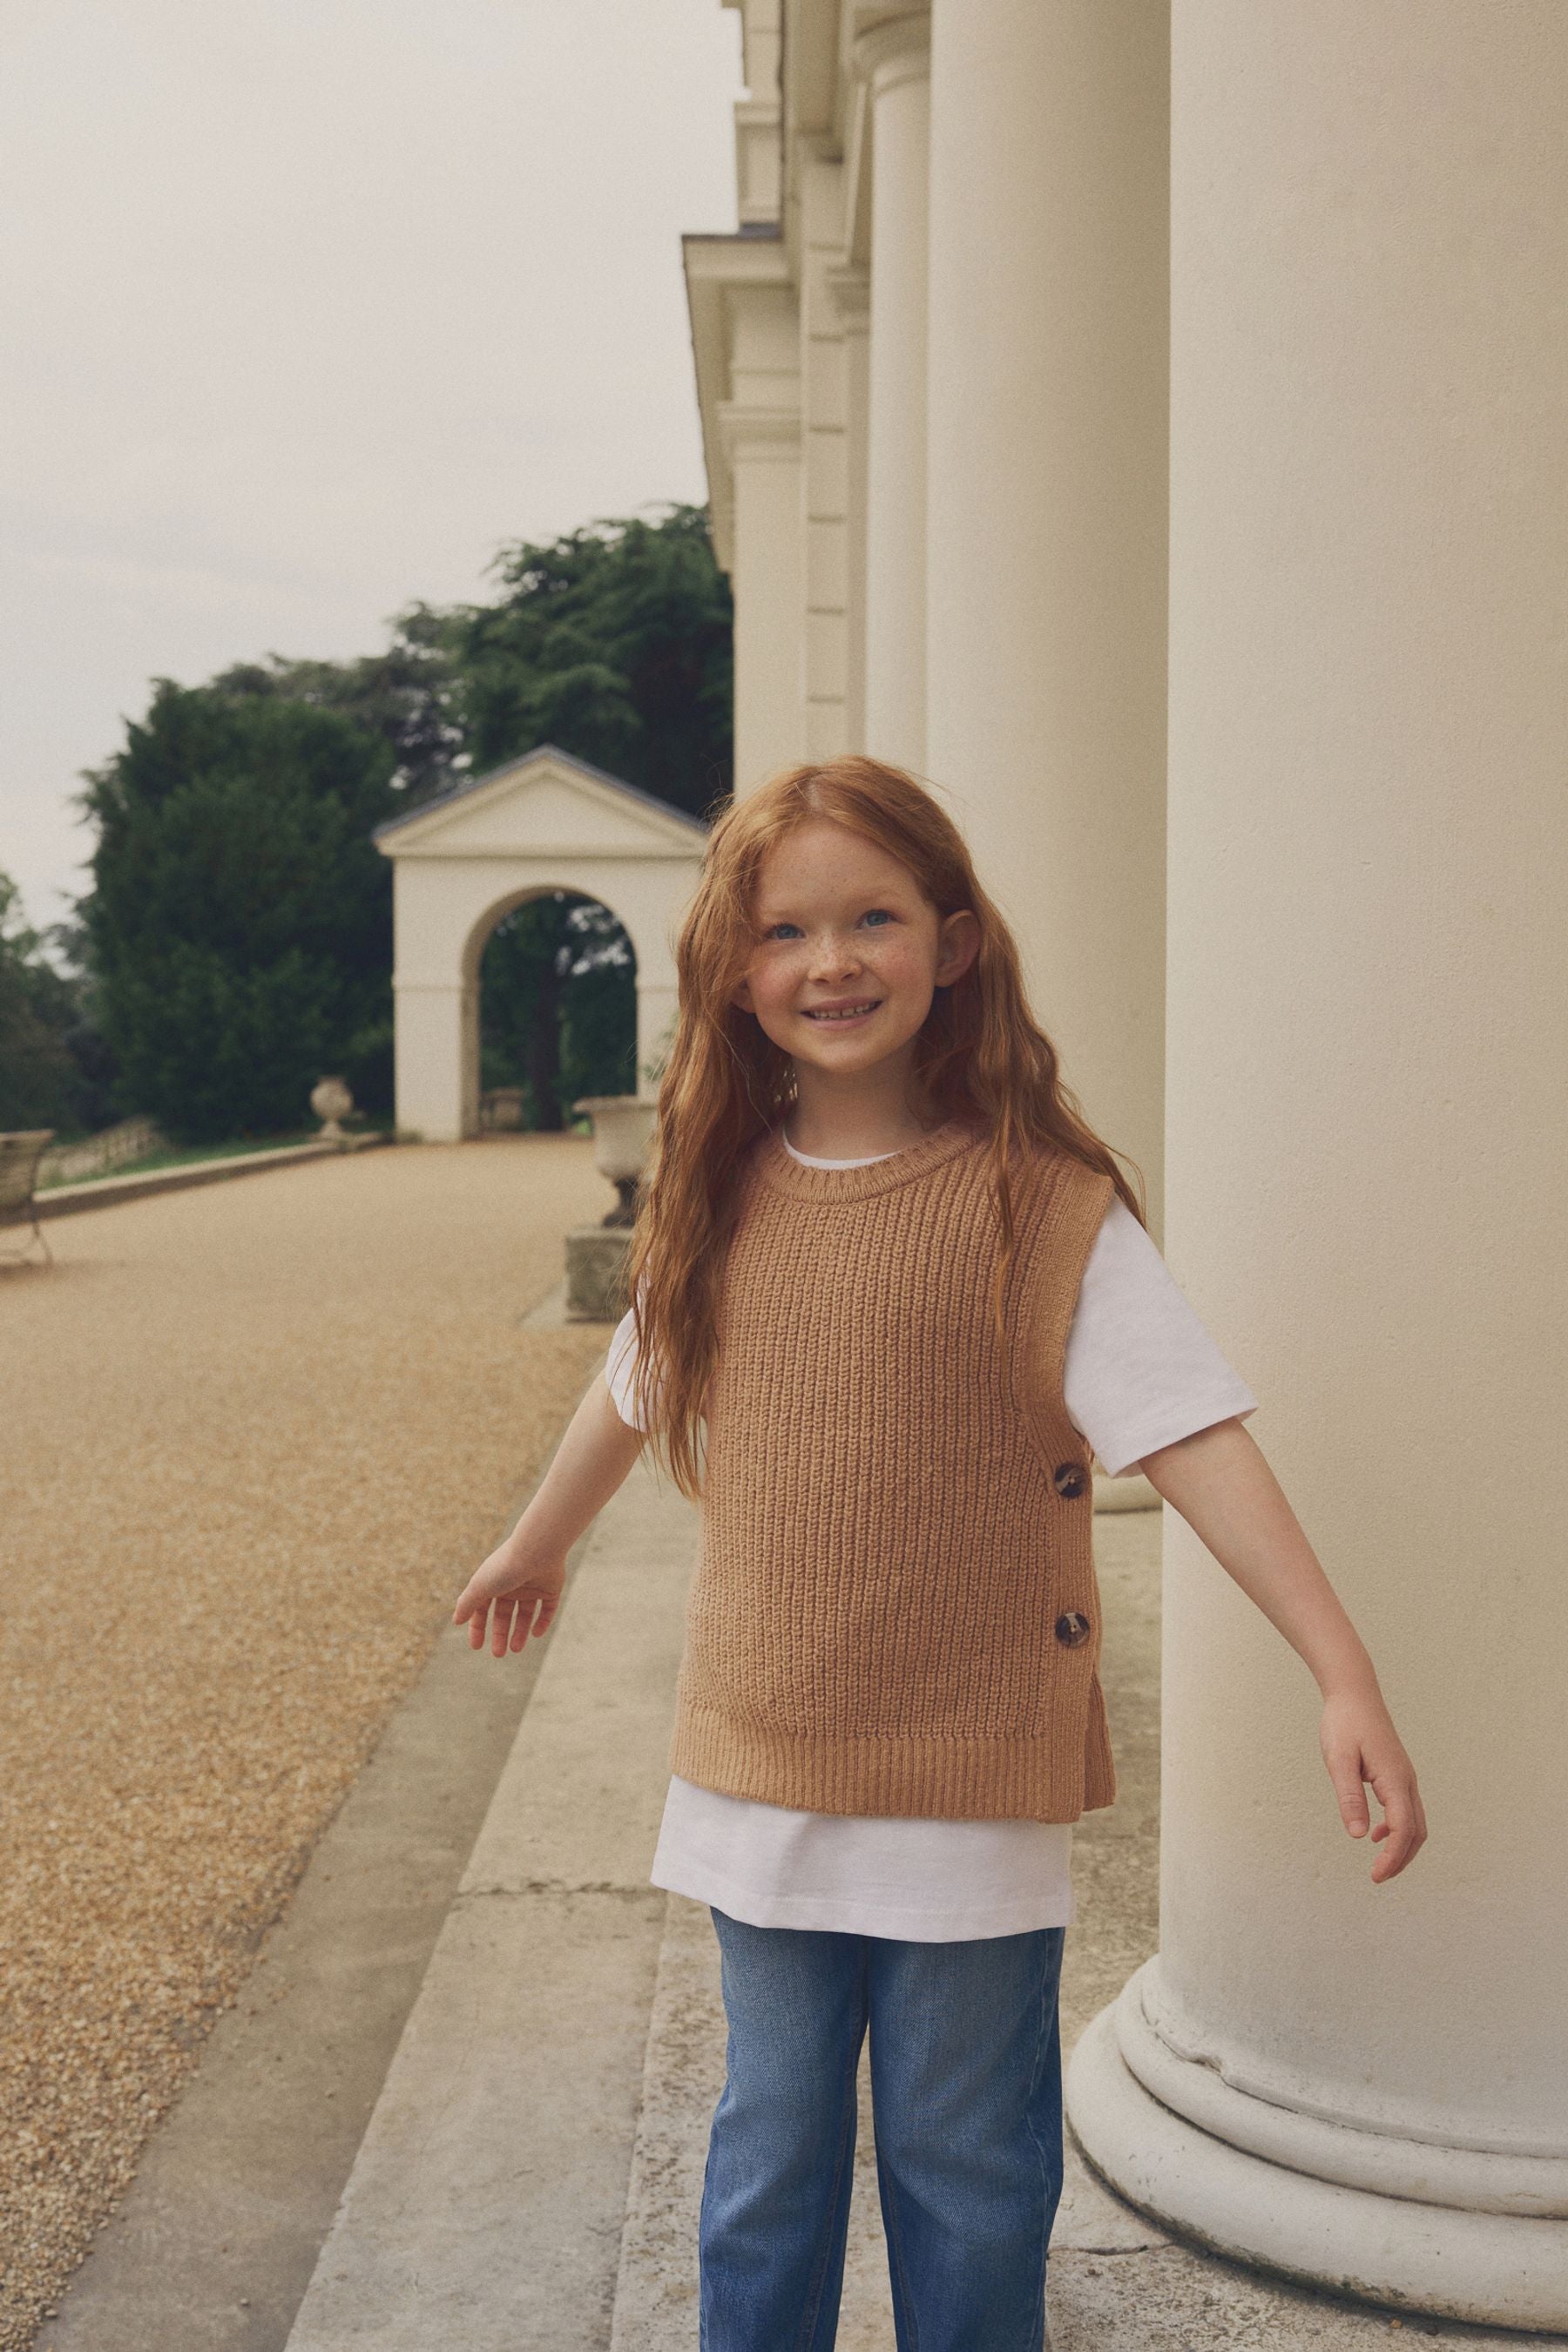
<point x="595" y="1273"/>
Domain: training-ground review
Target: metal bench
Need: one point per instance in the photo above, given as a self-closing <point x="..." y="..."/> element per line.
<point x="20" y="1156"/>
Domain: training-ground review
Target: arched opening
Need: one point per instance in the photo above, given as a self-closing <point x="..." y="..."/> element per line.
<point x="551" y="979"/>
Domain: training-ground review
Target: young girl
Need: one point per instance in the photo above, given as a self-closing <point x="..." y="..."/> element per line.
<point x="891" y="1298"/>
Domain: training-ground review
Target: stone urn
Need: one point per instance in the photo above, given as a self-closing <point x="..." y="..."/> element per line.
<point x="332" y="1102"/>
<point x="505" y="1107"/>
<point x="623" y="1130"/>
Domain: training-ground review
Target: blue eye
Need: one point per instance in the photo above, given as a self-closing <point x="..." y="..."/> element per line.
<point x="868" y="917"/>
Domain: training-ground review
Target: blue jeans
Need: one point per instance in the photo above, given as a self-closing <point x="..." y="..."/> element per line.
<point x="967" y="2118"/>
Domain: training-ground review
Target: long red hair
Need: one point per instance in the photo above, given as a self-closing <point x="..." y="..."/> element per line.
<point x="979" y="1056"/>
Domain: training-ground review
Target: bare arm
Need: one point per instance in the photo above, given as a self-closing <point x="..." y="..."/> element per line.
<point x="1220" y="1482"/>
<point x="528" y="1570"/>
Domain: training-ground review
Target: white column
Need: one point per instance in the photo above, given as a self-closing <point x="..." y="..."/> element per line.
<point x="852" y="291"/>
<point x="763" y="450"/>
<point x="1368" y="1144"/>
<point x="825" y="473"/>
<point x="1045" y="515"/>
<point x="435" y="996"/>
<point x="434" y="1043"/>
<point x="469" y="1065"/>
<point x="895" y="58"/>
<point x="759" y="432"/>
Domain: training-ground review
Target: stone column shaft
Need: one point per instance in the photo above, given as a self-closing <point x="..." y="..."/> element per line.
<point x="895" y="58"/>
<point x="769" y="725"/>
<point x="1368" y="1134"/>
<point x="1047" y="508"/>
<point x="854" y="302"/>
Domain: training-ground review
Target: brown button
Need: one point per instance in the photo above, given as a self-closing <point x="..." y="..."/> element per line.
<point x="1072" y="1629"/>
<point x="1069" y="1478"/>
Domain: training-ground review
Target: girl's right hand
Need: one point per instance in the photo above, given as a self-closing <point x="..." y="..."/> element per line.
<point x="518" y="1578"/>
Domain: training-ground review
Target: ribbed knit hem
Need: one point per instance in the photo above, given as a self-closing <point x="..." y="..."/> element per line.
<point x="1040" y="1779"/>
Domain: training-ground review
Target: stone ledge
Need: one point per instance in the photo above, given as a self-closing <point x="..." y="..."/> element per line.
<point x="102" y="1191"/>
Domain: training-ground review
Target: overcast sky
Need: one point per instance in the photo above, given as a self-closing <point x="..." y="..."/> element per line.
<point x="307" y="305"/>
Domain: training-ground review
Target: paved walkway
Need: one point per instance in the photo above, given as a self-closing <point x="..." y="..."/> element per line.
<point x="252" y="1439"/>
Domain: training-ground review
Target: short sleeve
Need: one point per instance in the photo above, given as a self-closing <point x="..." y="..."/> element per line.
<point x="620" y="1369"/>
<point x="1141" y="1370"/>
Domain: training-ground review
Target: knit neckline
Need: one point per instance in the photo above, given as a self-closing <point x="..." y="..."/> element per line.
<point x="781" y="1173"/>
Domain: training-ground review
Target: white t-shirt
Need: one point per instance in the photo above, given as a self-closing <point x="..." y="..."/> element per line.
<point x="1141" y="1370"/>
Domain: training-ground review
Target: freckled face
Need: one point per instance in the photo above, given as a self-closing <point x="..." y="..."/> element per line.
<point x="848" y="951"/>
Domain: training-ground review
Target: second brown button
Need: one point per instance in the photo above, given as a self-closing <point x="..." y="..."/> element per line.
<point x="1069" y="1478"/>
<point x="1072" y="1629"/>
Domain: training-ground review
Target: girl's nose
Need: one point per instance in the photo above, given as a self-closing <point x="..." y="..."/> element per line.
<point x="836" y="955"/>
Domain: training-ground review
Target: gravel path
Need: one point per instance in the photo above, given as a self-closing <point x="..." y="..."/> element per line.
<point x="252" y="1441"/>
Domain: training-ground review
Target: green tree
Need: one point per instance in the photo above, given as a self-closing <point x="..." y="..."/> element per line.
<point x="408" y="696"/>
<point x="239" y="920"/>
<point x="36" y="1067"/>
<point x="612" y="642"/>
<point x="54" y="1068"/>
<point x="599" y="1015"/>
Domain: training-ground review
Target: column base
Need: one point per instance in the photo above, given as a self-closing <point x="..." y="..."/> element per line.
<point x="1494" y="2268"/>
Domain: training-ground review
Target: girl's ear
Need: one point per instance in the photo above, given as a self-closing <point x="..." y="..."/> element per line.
<point x="958" y="946"/>
<point x="743" y="996"/>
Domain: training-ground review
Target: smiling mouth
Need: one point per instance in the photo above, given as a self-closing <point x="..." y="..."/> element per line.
<point x="845" y="1012"/>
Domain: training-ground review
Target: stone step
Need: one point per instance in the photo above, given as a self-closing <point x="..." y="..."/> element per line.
<point x="486" y="2206"/>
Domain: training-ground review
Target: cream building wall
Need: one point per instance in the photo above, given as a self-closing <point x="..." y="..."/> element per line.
<point x="1101" y="395"/>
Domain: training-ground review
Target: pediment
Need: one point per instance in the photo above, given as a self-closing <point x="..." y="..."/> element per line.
<point x="543" y="805"/>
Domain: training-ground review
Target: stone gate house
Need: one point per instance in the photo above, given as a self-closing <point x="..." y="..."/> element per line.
<point x="1150" y="421"/>
<point x="544" y="821"/>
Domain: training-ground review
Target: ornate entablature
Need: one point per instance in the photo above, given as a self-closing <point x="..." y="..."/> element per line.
<point x="779" y="322"/>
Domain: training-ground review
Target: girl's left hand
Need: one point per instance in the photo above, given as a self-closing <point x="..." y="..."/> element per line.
<point x="1360" y="1744"/>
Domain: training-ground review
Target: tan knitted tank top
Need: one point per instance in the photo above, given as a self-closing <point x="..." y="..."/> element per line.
<point x="895" y="1609"/>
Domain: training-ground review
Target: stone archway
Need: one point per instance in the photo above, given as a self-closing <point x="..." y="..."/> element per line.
<point x="543" y="821"/>
<point x="587" y="932"/>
